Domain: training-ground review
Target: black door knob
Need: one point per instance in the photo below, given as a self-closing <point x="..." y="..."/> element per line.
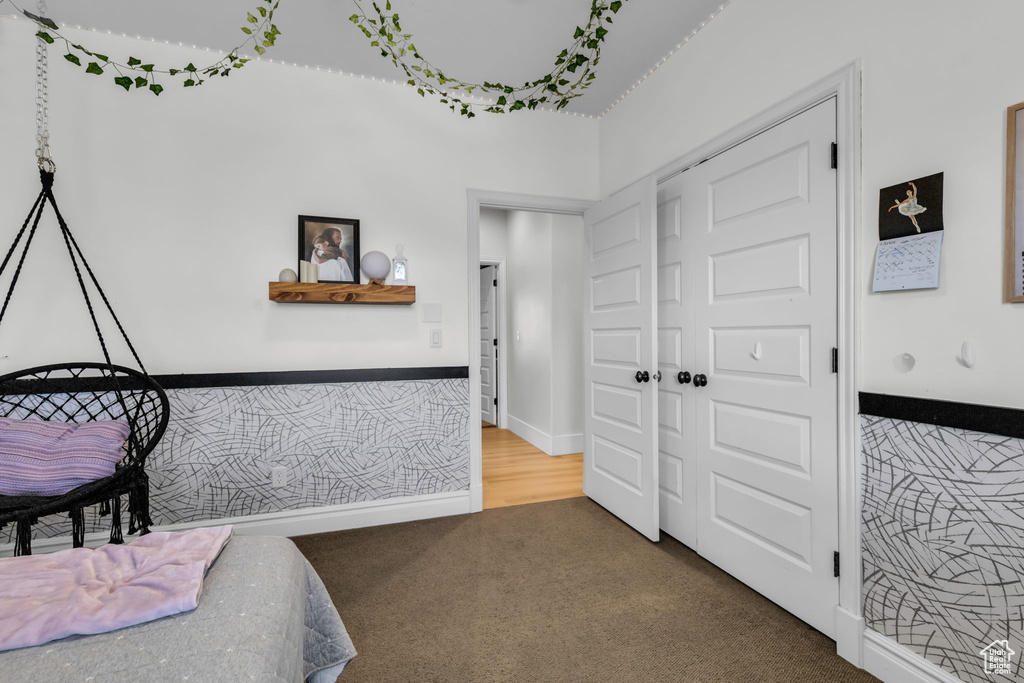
<point x="642" y="376"/>
<point x="683" y="378"/>
<point x="657" y="375"/>
<point x="700" y="380"/>
<point x="646" y="376"/>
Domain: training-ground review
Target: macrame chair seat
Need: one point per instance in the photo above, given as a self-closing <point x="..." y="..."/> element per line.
<point x="86" y="392"/>
<point x="78" y="393"/>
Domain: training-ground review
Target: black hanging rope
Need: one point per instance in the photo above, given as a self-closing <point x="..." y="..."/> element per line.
<point x="24" y="226"/>
<point x="37" y="209"/>
<point x="66" y="234"/>
<point x="106" y="302"/>
<point x="69" y="239"/>
<point x="148" y="419"/>
<point x="75" y="252"/>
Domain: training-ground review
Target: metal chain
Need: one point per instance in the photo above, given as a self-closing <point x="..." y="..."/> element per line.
<point x="42" y="101"/>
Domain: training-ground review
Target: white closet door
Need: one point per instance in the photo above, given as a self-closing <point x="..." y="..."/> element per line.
<point x="676" y="461"/>
<point x="620" y="457"/>
<point x="488" y="346"/>
<point x="763" y="219"/>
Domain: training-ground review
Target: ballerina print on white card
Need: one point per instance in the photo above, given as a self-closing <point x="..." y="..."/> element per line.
<point x="911" y="208"/>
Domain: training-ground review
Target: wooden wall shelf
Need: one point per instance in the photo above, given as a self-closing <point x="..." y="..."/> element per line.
<point x="328" y="293"/>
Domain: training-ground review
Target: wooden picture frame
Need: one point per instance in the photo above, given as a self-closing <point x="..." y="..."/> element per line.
<point x="1013" y="248"/>
<point x="332" y="243"/>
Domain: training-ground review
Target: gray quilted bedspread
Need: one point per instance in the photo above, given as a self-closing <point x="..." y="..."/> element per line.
<point x="264" y="616"/>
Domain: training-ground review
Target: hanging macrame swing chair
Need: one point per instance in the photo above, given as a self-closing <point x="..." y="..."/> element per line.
<point x="80" y="392"/>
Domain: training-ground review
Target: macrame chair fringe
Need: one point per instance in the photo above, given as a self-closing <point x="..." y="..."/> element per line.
<point x="82" y="392"/>
<point x="115" y="521"/>
<point x="138" y="506"/>
<point x="23" y="537"/>
<point x="77" y="516"/>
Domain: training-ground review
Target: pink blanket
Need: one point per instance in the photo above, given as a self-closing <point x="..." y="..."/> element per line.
<point x="83" y="591"/>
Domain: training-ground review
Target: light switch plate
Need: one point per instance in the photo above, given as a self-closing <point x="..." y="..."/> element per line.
<point x="435" y="339"/>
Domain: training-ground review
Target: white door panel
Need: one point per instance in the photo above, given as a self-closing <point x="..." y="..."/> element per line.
<point x="765" y="315"/>
<point x="620" y="458"/>
<point x="761" y="271"/>
<point x="678" y="502"/>
<point x="488" y="346"/>
<point x="755" y="251"/>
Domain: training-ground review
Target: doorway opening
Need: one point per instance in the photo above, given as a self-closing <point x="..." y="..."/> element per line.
<point x="530" y="341"/>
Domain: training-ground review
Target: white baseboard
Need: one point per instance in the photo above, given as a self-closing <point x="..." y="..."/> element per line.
<point x="476" y="498"/>
<point x="298" y="522"/>
<point x="849" y="636"/>
<point x="530" y="433"/>
<point x="552" y="445"/>
<point x="889" y="661"/>
<point x="565" y="444"/>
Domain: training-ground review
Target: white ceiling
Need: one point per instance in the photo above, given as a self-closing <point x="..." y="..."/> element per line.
<point x="472" y="40"/>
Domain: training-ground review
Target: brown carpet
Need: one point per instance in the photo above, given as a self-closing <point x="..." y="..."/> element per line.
<point x="554" y="592"/>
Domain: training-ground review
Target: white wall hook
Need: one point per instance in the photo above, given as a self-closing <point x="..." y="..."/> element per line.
<point x="968" y="356"/>
<point x="756" y="353"/>
<point x="904" y="362"/>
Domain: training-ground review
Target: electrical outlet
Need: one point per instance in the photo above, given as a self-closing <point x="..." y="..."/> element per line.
<point x="279" y="477"/>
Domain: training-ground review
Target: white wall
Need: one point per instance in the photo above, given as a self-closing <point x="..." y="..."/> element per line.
<point x="186" y="205"/>
<point x="493" y="233"/>
<point x="567" y="339"/>
<point x="937" y="78"/>
<point x="528" y="297"/>
<point x="544" y="299"/>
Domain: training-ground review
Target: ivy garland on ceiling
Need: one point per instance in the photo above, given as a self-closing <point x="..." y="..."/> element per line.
<point x="573" y="73"/>
<point x="261" y="31"/>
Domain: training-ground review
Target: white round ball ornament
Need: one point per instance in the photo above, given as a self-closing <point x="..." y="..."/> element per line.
<point x="375" y="264"/>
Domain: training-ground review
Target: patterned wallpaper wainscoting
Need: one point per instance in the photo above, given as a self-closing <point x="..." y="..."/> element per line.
<point x="944" y="541"/>
<point x="341" y="443"/>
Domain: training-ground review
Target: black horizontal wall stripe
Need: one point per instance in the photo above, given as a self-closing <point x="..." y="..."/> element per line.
<point x="977" y="418"/>
<point x="263" y="379"/>
<point x="237" y="379"/>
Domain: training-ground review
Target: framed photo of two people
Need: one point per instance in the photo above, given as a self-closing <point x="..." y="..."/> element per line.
<point x="333" y="245"/>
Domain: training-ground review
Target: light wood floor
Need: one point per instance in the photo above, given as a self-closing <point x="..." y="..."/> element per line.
<point x="514" y="472"/>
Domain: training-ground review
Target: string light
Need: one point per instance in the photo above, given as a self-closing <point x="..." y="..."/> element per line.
<point x="665" y="58"/>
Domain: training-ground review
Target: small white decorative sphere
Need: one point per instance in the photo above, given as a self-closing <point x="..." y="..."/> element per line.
<point x="375" y="264"/>
<point x="287" y="275"/>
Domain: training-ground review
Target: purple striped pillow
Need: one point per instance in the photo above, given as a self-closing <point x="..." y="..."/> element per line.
<point x="40" y="458"/>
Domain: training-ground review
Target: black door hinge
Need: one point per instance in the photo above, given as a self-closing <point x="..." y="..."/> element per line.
<point x="835" y="360"/>
<point x="495" y="342"/>
<point x="835" y="155"/>
<point x="494" y="284"/>
<point x="835" y="564"/>
<point x="495" y="402"/>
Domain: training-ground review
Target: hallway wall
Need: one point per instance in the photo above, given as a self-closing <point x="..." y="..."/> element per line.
<point x="543" y="339"/>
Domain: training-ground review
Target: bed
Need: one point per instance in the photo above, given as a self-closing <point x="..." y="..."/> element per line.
<point x="264" y="616"/>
